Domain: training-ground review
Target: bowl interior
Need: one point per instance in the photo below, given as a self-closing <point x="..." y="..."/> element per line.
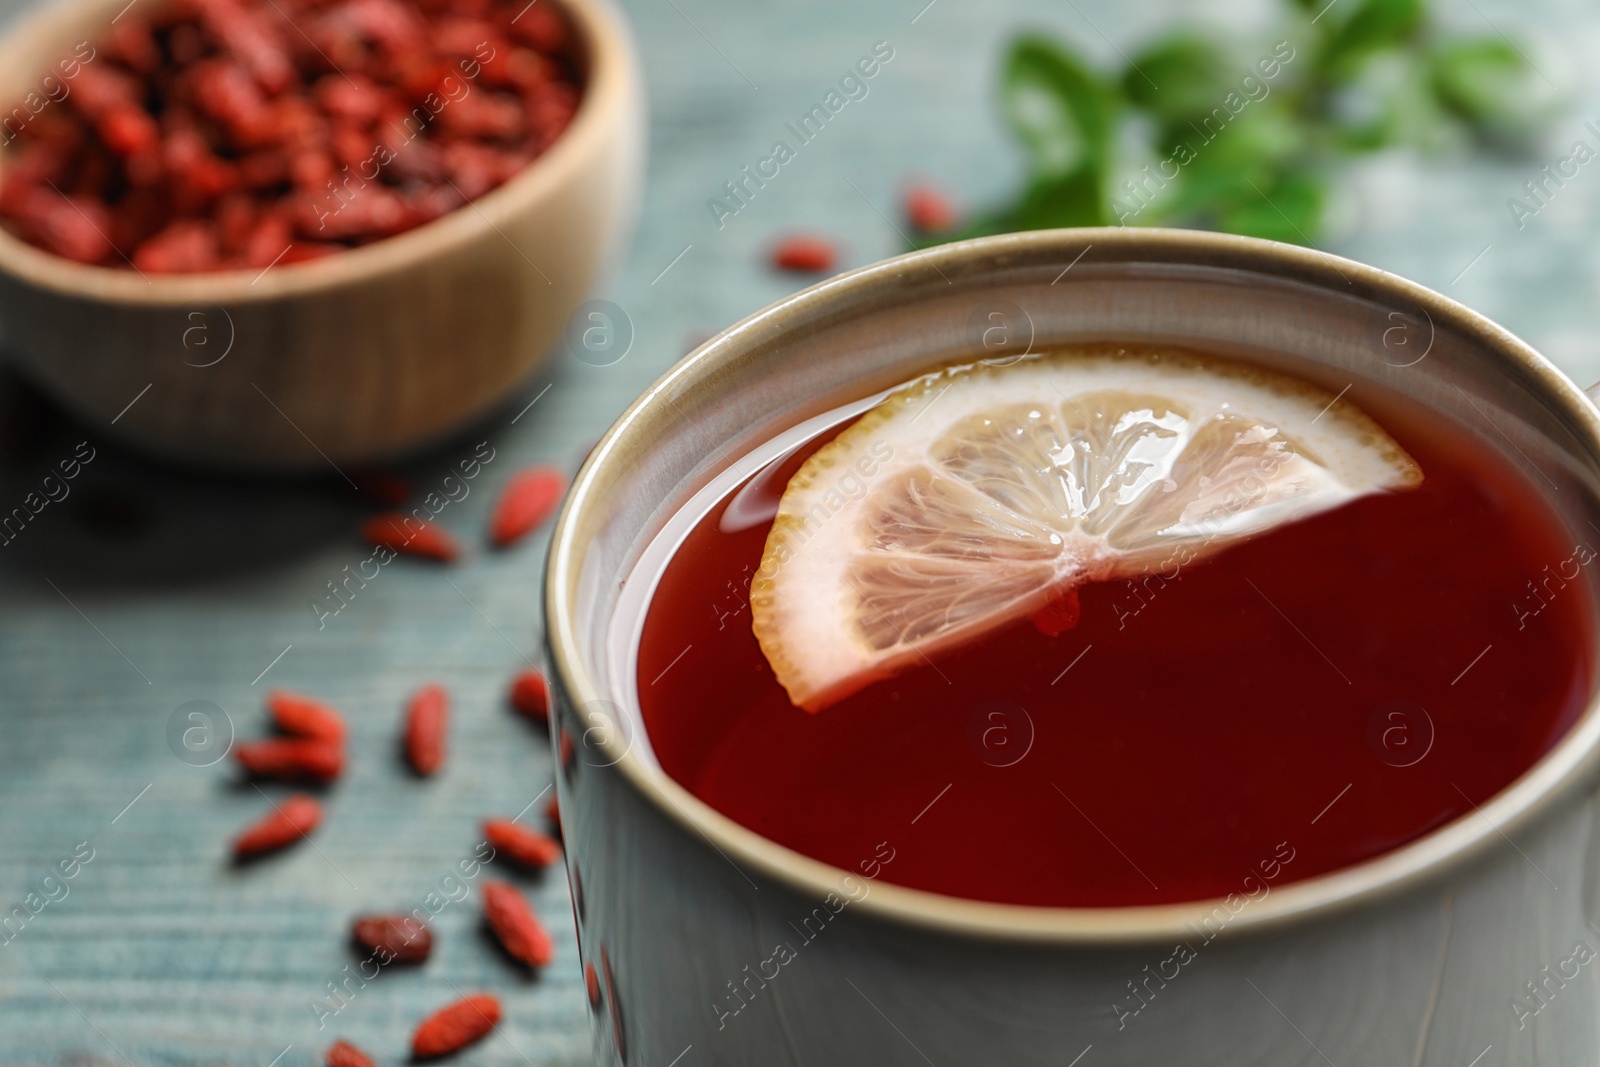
<point x="610" y="97"/>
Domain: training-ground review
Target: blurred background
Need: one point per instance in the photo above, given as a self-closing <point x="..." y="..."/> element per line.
<point x="1400" y="134"/>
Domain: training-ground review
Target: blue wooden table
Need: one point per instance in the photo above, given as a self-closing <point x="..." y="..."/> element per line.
<point x="150" y="588"/>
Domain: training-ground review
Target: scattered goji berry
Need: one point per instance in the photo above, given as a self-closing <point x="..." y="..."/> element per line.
<point x="803" y="254"/>
<point x="401" y="938"/>
<point x="285" y="824"/>
<point x="527" y="501"/>
<point x="523" y="846"/>
<point x="929" y="211"/>
<point x="291" y="759"/>
<point x="343" y="1054"/>
<point x="530" y="694"/>
<point x="427" y="720"/>
<point x="512" y="919"/>
<point x="552" y="812"/>
<point x="406" y="533"/>
<point x="303" y="716"/>
<point x="455" y="1026"/>
<point x="591" y="983"/>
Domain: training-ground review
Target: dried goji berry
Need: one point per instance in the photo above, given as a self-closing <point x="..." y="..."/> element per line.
<point x="137" y="218"/>
<point x="287" y="823"/>
<point x="523" y="846"/>
<point x="472" y="168"/>
<point x="399" y="532"/>
<point x="185" y="43"/>
<point x="133" y="45"/>
<point x="311" y="169"/>
<point x="291" y="759"/>
<point x="530" y="694"/>
<point x="356" y="98"/>
<point x="71" y="227"/>
<point x="591" y="983"/>
<point x="301" y="251"/>
<point x="198" y="182"/>
<point x="267" y="242"/>
<point x="397" y="938"/>
<point x="127" y="129"/>
<point x="527" y="501"/>
<point x="427" y="720"/>
<point x="809" y="255"/>
<point x="264" y="169"/>
<point x="248" y="35"/>
<point x="511" y="918"/>
<point x="928" y="210"/>
<point x="552" y="812"/>
<point x="343" y="1054"/>
<point x="371" y="212"/>
<point x="227" y="93"/>
<point x="455" y="1026"/>
<point x="236" y="220"/>
<point x="543" y="26"/>
<point x="305" y="717"/>
<point x="550" y="110"/>
<point x="185" y="246"/>
<point x="99" y="87"/>
<point x="393" y="27"/>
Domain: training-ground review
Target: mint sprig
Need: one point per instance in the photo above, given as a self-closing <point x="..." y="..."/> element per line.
<point x="1200" y="133"/>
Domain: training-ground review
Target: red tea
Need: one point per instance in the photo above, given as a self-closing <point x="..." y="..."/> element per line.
<point x="1302" y="701"/>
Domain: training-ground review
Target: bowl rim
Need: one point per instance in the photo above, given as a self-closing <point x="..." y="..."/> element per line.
<point x="1540" y="789"/>
<point x="608" y="93"/>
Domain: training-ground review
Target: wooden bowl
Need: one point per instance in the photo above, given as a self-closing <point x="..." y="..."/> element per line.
<point x="343" y="360"/>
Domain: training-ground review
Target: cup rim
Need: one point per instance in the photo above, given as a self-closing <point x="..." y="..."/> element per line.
<point x="1538" y="790"/>
<point x="607" y="94"/>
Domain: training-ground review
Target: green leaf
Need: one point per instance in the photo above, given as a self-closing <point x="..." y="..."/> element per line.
<point x="1179" y="77"/>
<point x="1073" y="199"/>
<point x="1392" y="102"/>
<point x="1373" y="26"/>
<point x="1290" y="210"/>
<point x="1260" y="165"/>
<point x="1059" y="107"/>
<point x="1258" y="145"/>
<point x="1490" y="85"/>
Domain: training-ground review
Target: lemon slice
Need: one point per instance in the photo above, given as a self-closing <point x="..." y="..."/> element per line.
<point x="976" y="495"/>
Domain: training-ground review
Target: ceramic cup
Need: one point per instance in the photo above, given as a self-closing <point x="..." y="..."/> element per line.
<point x="1471" y="945"/>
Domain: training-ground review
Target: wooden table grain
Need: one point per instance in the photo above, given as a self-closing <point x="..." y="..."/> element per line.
<point x="148" y="588"/>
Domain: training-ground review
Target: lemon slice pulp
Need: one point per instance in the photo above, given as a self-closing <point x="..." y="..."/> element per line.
<point x="977" y="495"/>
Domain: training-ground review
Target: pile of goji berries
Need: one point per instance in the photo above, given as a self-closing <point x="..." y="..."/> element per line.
<point x="237" y="134"/>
